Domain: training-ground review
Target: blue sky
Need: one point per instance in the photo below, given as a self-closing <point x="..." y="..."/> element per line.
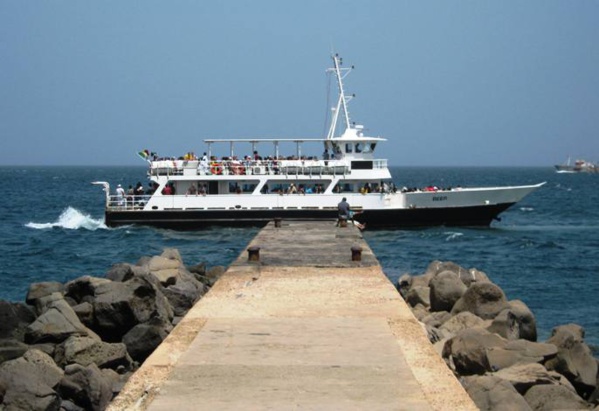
<point x="446" y="82"/>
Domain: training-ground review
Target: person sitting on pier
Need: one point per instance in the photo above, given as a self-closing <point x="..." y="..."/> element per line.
<point x="345" y="214"/>
<point x="342" y="211"/>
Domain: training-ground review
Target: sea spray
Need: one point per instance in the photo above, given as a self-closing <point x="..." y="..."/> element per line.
<point x="71" y="219"/>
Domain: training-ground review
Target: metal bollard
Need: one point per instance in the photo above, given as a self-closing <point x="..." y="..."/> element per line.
<point x="254" y="253"/>
<point x="356" y="253"/>
<point x="278" y="222"/>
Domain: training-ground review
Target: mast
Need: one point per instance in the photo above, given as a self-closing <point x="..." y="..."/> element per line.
<point x="340" y="74"/>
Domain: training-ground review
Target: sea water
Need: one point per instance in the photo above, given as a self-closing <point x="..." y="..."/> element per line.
<point x="544" y="251"/>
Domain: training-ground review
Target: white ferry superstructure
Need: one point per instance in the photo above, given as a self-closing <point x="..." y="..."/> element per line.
<point x="253" y="190"/>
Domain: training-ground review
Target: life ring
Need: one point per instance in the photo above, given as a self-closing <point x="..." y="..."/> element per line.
<point x="215" y="169"/>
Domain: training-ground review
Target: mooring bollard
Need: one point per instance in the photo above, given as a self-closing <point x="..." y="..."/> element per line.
<point x="278" y="222"/>
<point x="356" y="253"/>
<point x="342" y="222"/>
<point x="254" y="253"/>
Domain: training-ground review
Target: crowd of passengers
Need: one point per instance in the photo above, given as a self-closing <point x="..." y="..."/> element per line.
<point x="235" y="165"/>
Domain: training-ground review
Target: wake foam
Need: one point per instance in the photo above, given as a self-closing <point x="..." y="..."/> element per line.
<point x="71" y="219"/>
<point x="452" y="235"/>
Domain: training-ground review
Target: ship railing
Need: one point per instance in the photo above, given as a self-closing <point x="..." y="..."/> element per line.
<point x="258" y="167"/>
<point x="129" y="202"/>
<point x="379" y="163"/>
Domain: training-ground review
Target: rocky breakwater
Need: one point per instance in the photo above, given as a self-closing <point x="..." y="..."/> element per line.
<point x="73" y="346"/>
<point x="490" y="343"/>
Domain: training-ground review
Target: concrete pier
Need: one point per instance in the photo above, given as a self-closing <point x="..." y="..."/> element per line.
<point x="301" y="325"/>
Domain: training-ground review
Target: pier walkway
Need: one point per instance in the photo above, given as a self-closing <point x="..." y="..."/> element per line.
<point x="305" y="327"/>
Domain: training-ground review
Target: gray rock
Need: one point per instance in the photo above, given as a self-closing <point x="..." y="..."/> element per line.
<point x="574" y="359"/>
<point x="515" y="322"/>
<point x="213" y="274"/>
<point x="420" y="312"/>
<point x="554" y="397"/>
<point x="120" y="272"/>
<point x="404" y="283"/>
<point x="462" y="321"/>
<point x="421" y="280"/>
<point x="56" y="324"/>
<point x="520" y="352"/>
<point x="47" y="348"/>
<point x="158" y="263"/>
<point x="437" y="319"/>
<point x="42" y="304"/>
<point x="85" y="351"/>
<point x="468" y="350"/>
<point x="26" y="390"/>
<point x="67" y="405"/>
<point x="118" y="307"/>
<point x="491" y="393"/>
<point x="183" y="295"/>
<point x="524" y="376"/>
<point x="14" y="319"/>
<point x="85" y="313"/>
<point x="434" y="334"/>
<point x="172" y="254"/>
<point x="473" y="276"/>
<point x="11" y="349"/>
<point x="86" y="386"/>
<point x="83" y="287"/>
<point x="485" y="300"/>
<point x="115" y="380"/>
<point x="39" y="290"/>
<point x="418" y="295"/>
<point x="437" y="267"/>
<point x="143" y="339"/>
<point x="445" y="289"/>
<point x="35" y="362"/>
<point x="143" y="261"/>
<point x="198" y="270"/>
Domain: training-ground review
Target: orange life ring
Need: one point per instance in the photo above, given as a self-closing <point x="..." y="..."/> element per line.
<point x="215" y="169"/>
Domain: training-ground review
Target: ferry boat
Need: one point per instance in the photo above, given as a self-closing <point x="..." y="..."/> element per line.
<point x="579" y="166"/>
<point x="191" y="193"/>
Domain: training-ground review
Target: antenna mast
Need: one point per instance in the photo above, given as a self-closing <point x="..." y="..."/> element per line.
<point x="340" y="74"/>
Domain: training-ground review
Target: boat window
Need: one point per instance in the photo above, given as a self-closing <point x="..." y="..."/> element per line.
<point x="344" y="188"/>
<point x="358" y="147"/>
<point x="294" y="188"/>
<point x="368" y="148"/>
<point x="241" y="187"/>
<point x="348" y="147"/>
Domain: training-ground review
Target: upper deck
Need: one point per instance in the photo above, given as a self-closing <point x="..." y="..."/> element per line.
<point x="234" y="167"/>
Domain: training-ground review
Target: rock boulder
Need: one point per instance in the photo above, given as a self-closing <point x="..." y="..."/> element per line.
<point x="445" y="289"/>
<point x="484" y="300"/>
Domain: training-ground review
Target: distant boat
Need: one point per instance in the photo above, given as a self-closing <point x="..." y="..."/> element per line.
<point x="579" y="166"/>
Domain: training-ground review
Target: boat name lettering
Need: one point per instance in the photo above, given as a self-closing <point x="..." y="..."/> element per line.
<point x="440" y="198"/>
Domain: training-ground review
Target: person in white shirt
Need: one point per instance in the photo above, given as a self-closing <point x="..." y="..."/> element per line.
<point x="120" y="195"/>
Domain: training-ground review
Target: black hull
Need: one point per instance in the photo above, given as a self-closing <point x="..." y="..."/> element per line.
<point x="390" y="218"/>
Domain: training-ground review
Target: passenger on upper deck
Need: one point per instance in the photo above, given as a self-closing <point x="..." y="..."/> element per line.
<point x="120" y="195"/>
<point x="203" y="165"/>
